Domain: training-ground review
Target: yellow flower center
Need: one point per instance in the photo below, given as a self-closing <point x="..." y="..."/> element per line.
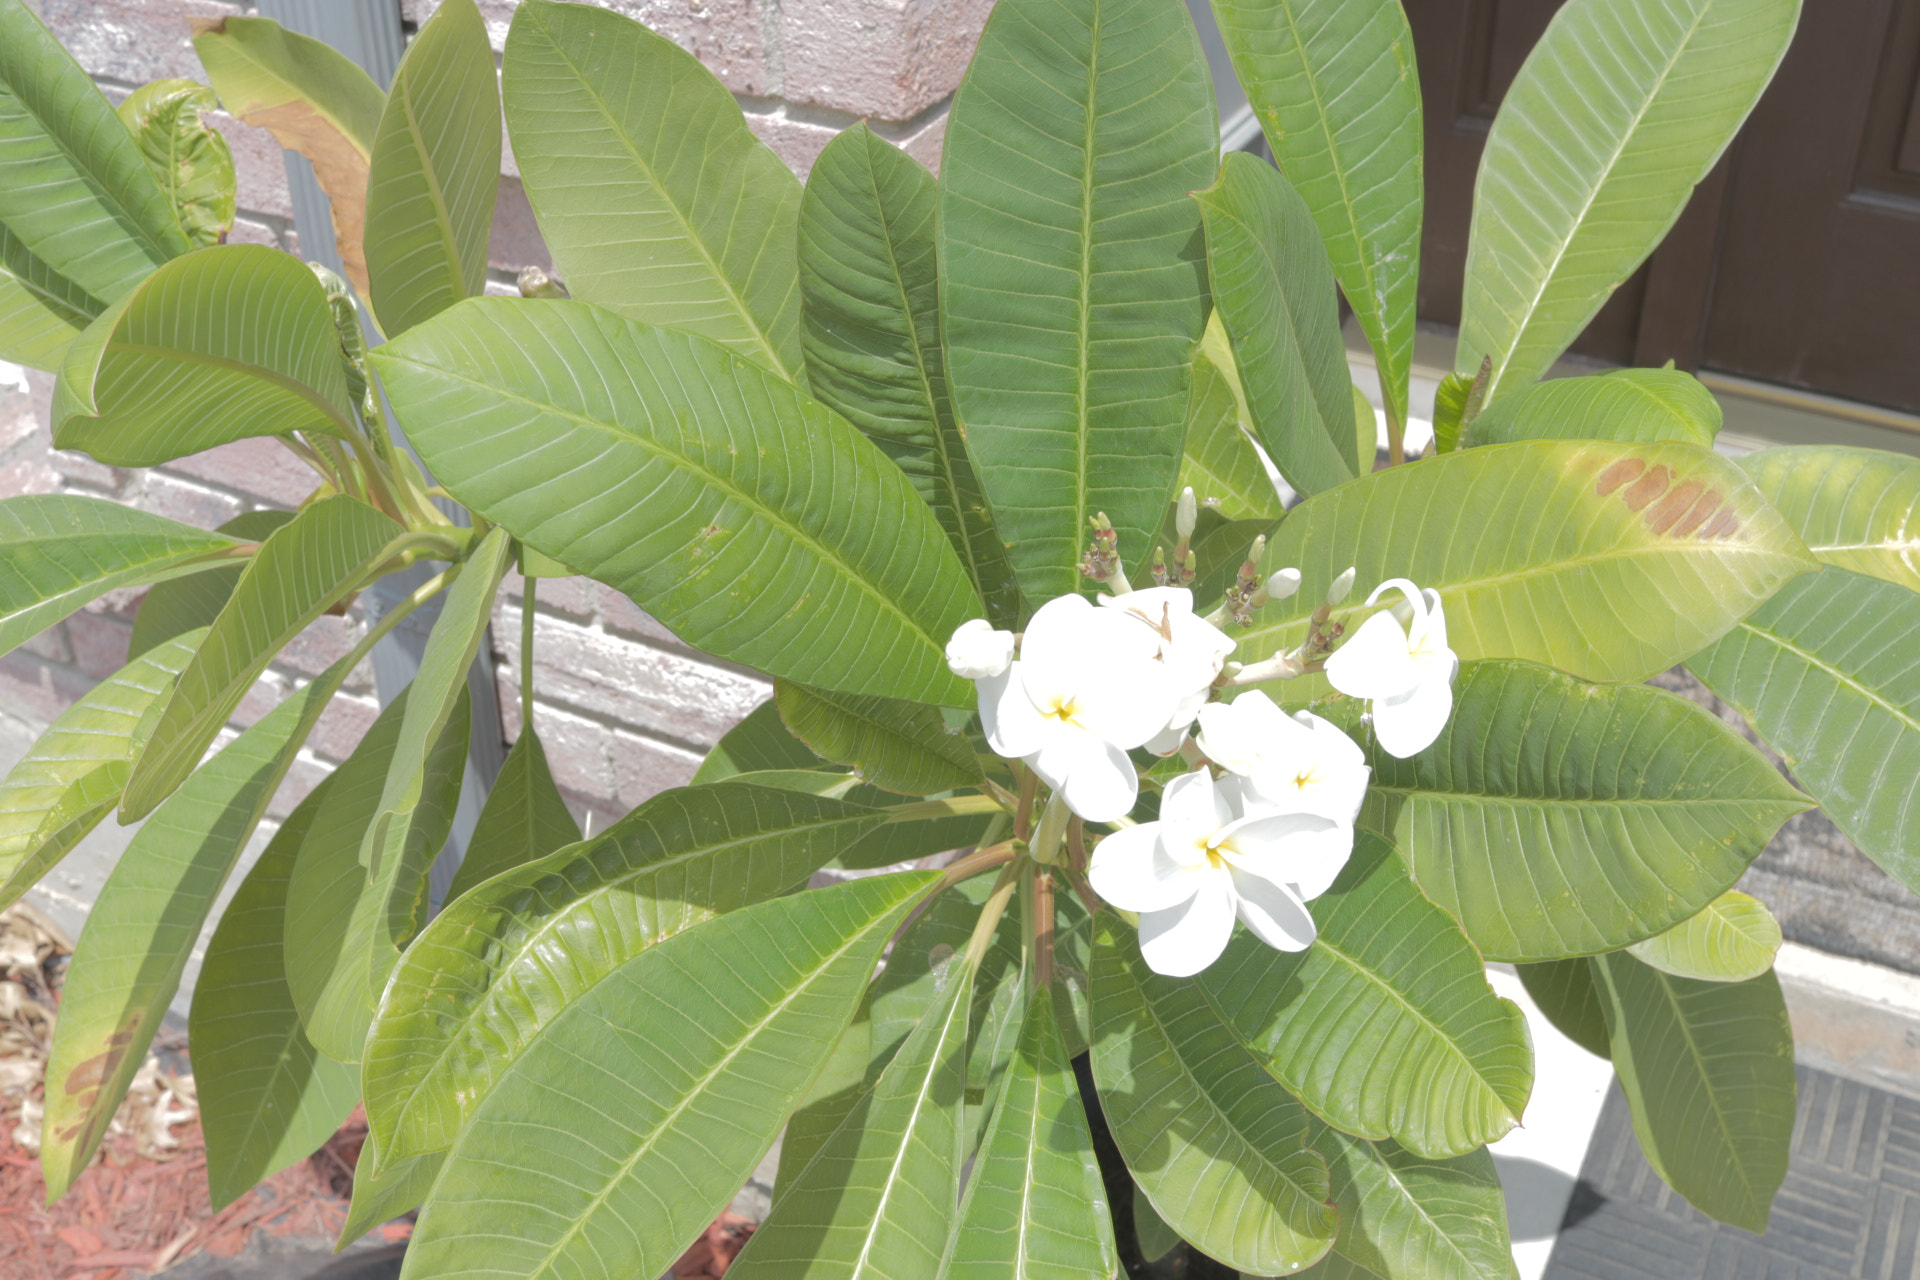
<point x="1062" y="710"/>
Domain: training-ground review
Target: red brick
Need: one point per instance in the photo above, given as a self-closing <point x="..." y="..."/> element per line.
<point x="643" y="768"/>
<point x="188" y="503"/>
<point x="926" y="142"/>
<point x="506" y="690"/>
<point x="29" y="475"/>
<point x="619" y="614"/>
<point x="268" y="692"/>
<point x="515" y="240"/>
<point x="890" y="59"/>
<point x="99" y="643"/>
<point x="122" y="602"/>
<point x="81" y="469"/>
<point x="35" y="689"/>
<point x="577" y="749"/>
<point x="798" y="142"/>
<point x="669" y="694"/>
<point x="51" y="644"/>
<point x="132" y="40"/>
<point x="342" y="725"/>
<point x="301" y="779"/>
<point x="259" y="167"/>
<point x="245" y="232"/>
<point x="571" y="596"/>
<point x="261" y="466"/>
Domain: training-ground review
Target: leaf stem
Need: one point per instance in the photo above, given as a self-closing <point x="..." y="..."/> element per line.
<point x="1041" y="923"/>
<point x="1023" y="815"/>
<point x="952" y="807"/>
<point x="1396" y="431"/>
<point x="978" y="862"/>
<point x="990" y="913"/>
<point x="392" y="618"/>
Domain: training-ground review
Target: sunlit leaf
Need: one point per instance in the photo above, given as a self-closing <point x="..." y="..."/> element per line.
<point x="179" y="605"/>
<point x="1857" y="508"/>
<point x="41" y="311"/>
<point x="1220" y="463"/>
<point x="1626" y="405"/>
<point x="897" y="746"/>
<point x="524" y="818"/>
<point x="757" y="743"/>
<point x="1731" y="939"/>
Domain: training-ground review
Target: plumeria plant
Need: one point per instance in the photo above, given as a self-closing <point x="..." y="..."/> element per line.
<point x="1230" y="789"/>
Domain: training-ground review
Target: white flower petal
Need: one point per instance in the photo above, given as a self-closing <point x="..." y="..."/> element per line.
<point x="977" y="651"/>
<point x="1235" y="735"/>
<point x="1299" y="850"/>
<point x="1374" y="661"/>
<point x="1126" y="703"/>
<point x="1192" y="806"/>
<point x="1273" y="913"/>
<point x="1408" y="724"/>
<point x="1168" y="740"/>
<point x="1013" y="725"/>
<point x="1129" y="871"/>
<point x="1095" y="777"/>
<point x="1183" y="940"/>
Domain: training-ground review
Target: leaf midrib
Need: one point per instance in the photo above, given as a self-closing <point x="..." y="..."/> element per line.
<point x="1841" y="677"/>
<point x="1541" y="802"/>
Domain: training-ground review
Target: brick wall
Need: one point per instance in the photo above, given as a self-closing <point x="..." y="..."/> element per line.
<point x="623" y="708"/>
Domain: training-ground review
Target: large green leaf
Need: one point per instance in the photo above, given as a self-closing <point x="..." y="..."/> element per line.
<point x="524" y="818"/>
<point x="224" y="343"/>
<point x="476" y="988"/>
<point x="434" y="172"/>
<point x="179" y="605"/>
<point x="1036" y="1208"/>
<point x="1405" y="1218"/>
<point x="1558" y="818"/>
<point x="1334" y="86"/>
<point x="1619" y="110"/>
<point x="1213" y="1140"/>
<point x="1828" y="673"/>
<point x="384" y="1189"/>
<point x="758" y="743"/>
<point x="1220" y="464"/>
<point x="1731" y="939"/>
<point x="878" y="1199"/>
<point x="271" y="1097"/>
<point x="870" y="306"/>
<point x="753" y="522"/>
<point x="189" y="158"/>
<point x="1566" y="993"/>
<point x="1857" y="508"/>
<point x="655" y="199"/>
<point x="1385" y="1026"/>
<point x="1608" y="561"/>
<point x="1626" y="405"/>
<point x="339" y="948"/>
<point x="1707" y="1068"/>
<point x="1273" y="291"/>
<point x="1072" y="280"/>
<point x="41" y="311"/>
<point x="641" y="1108"/>
<point x="72" y="776"/>
<point x="74" y="190"/>
<point x="57" y="552"/>
<point x="896" y="746"/>
<point x="298" y="573"/>
<point x="142" y="928"/>
<point x="314" y="100"/>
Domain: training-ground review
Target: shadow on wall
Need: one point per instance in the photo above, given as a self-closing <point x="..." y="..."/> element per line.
<point x="1537" y="1197"/>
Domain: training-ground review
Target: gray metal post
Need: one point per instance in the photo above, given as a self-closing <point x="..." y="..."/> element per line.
<point x="368" y="31"/>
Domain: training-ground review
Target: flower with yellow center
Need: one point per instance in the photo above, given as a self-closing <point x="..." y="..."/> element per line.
<point x="1293" y="764"/>
<point x="1400" y="662"/>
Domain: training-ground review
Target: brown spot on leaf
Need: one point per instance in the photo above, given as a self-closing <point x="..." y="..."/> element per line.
<point x="1701" y="511"/>
<point x="1647" y="488"/>
<point x="1618" y="474"/>
<point x="1724" y="525"/>
<point x="338" y="165"/>
<point x="1665" y="513"/>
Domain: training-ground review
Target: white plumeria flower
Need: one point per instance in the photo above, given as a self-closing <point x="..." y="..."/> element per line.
<point x="1293" y="764"/>
<point x="1212" y="858"/>
<point x="1192" y="649"/>
<point x="1399" y="661"/>
<point x="1086" y="689"/>
<point x="977" y="651"/>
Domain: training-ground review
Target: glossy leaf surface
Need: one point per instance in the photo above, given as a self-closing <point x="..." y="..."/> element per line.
<point x="272" y="1099"/>
<point x="222" y="344"/>
<point x="1619" y="110"/>
<point x="1385" y="1026"/>
<point x="1608" y="561"/>
<point x="1073" y="286"/>
<point x="1220" y="463"/>
<point x="896" y="746"/>
<point x="1557" y="818"/>
<point x="1828" y="673"/>
<point x="179" y="605"/>
<point x="654" y="198"/>
<point x="1275" y="295"/>
<point x="41" y="311"/>
<point x="524" y="818"/>
<point x="476" y="987"/>
<point x="753" y="522"/>
<point x="1856" y="508"/>
<point x="1625" y="405"/>
<point x="1733" y="938"/>
<point x="759" y="742"/>
<point x="696" y="1050"/>
<point x="1402" y="1216"/>
<point x="189" y="158"/>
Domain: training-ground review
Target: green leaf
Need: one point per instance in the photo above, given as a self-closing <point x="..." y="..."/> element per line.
<point x="1274" y="293"/>
<point x="1857" y="508"/>
<point x="878" y="1200"/>
<point x="1608" y="561"/>
<point x="1215" y="1142"/>
<point x="339" y="945"/>
<point x="58" y="551"/>
<point x="1565" y="992"/>
<point x="271" y="1098"/>
<point x="1385" y="1026"/>
<point x="1150" y="1230"/>
<point x="1404" y="1216"/>
<point x="897" y="746"/>
<point x="225" y="343"/>
<point x="72" y="776"/>
<point x="1366" y="431"/>
<point x="1826" y="673"/>
<point x="870" y="312"/>
<point x="41" y="311"/>
<point x="74" y="190"/>
<point x="1621" y="108"/>
<point x="1072" y="285"/>
<point x="189" y="158"/>
<point x="179" y="605"/>
<point x="753" y="522"/>
<point x="1558" y="818"/>
<point x="1220" y="463"/>
<point x="298" y="573"/>
<point x="615" y="1175"/>
<point x="655" y="199"/>
<point x="1036" y="1207"/>
<point x="434" y="172"/>
<point x="1624" y="405"/>
<point x="1450" y="411"/>
<point x="1731" y="939"/>
<point x="476" y="988"/>
<point x="1707" y="1068"/>
<point x="142" y="928"/>
<point x="1335" y="89"/>
<point x="759" y="742"/>
<point x="385" y="1189"/>
<point x="523" y="820"/>
<point x="314" y="100"/>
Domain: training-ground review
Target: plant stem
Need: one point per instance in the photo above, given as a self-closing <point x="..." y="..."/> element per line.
<point x="990" y="913"/>
<point x="1396" y="429"/>
<point x="526" y="654"/>
<point x="1023" y="816"/>
<point x="951" y="807"/>
<point x="1042" y="925"/>
<point x="980" y="860"/>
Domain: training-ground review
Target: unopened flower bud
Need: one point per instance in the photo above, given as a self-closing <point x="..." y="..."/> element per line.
<point x="1342" y="587"/>
<point x="1158" y="567"/>
<point x="1283" y="583"/>
<point x="535" y="283"/>
<point x="978" y="652"/>
<point x="1185" y="513"/>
